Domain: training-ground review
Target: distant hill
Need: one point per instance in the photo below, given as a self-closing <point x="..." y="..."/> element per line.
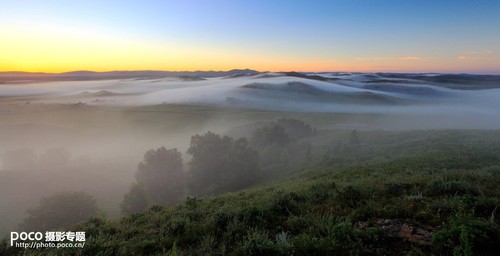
<point x="302" y="92"/>
<point x="452" y="81"/>
<point x="312" y="77"/>
<point x="92" y="75"/>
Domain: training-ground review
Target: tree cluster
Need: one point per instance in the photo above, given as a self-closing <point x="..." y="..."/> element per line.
<point x="218" y="164"/>
<point x="279" y="143"/>
<point x="221" y="163"/>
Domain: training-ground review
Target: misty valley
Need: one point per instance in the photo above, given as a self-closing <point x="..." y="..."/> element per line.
<point x="252" y="163"/>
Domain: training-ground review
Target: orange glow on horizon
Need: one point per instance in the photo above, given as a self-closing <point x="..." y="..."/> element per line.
<point x="60" y="64"/>
<point x="57" y="49"/>
<point x="194" y="62"/>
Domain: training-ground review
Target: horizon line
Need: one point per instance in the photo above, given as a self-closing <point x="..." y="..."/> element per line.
<point x="243" y="69"/>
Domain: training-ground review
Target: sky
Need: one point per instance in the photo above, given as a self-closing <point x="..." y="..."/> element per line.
<point x="447" y="36"/>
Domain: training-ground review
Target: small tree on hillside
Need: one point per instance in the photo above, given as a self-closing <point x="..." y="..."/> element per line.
<point x="161" y="173"/>
<point x="60" y="210"/>
<point x="270" y="135"/>
<point x="296" y="129"/>
<point x="135" y="201"/>
<point x="221" y="164"/>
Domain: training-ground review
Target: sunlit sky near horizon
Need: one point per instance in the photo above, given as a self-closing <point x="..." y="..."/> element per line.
<point x="337" y="35"/>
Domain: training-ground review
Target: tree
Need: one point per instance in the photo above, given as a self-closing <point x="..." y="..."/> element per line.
<point x="270" y="135"/>
<point x="296" y="129"/>
<point x="221" y="164"/>
<point x="135" y="201"/>
<point x="60" y="210"/>
<point x="162" y="175"/>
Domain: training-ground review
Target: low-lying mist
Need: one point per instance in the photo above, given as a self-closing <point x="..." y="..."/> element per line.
<point x="91" y="135"/>
<point x="357" y="93"/>
<point x="54" y="148"/>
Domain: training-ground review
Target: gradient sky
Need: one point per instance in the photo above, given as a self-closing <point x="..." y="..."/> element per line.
<point x="335" y="35"/>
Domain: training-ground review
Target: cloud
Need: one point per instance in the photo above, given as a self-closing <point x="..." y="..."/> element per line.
<point x="370" y="58"/>
<point x="488" y="54"/>
<point x="407" y="58"/>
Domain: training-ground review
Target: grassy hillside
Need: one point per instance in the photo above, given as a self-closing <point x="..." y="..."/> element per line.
<point x="391" y="193"/>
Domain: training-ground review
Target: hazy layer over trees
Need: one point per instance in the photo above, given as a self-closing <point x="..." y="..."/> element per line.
<point x="135" y="201"/>
<point x="221" y="163"/>
<point x="162" y="175"/>
<point x="61" y="210"/>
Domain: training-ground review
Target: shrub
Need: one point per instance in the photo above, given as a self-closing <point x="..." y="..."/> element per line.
<point x="320" y="192"/>
<point x="135" y="201"/>
<point x="397" y="189"/>
<point x="467" y="236"/>
<point x="222" y="218"/>
<point x="174" y="251"/>
<point x="297" y="224"/>
<point x="348" y="196"/>
<point x="60" y="210"/>
<point x="284" y="204"/>
<point x="310" y="245"/>
<point x="451" y="188"/>
<point x="257" y="243"/>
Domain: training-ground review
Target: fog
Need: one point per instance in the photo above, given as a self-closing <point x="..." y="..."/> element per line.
<point x="90" y="135"/>
<point x="269" y="91"/>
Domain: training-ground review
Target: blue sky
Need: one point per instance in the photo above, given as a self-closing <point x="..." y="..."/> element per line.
<point x="446" y="36"/>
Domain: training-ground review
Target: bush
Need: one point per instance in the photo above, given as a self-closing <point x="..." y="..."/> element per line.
<point x="348" y="196"/>
<point x="257" y="242"/>
<point x="284" y="204"/>
<point x="451" y="188"/>
<point x="467" y="236"/>
<point x="397" y="189"/>
<point x="135" y="201"/>
<point x="309" y="245"/>
<point x="60" y="210"/>
<point x="320" y="192"/>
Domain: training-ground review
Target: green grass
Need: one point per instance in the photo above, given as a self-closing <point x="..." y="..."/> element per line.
<point x="377" y="198"/>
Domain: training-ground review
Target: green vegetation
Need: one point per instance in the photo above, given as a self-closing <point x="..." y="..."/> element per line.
<point x="161" y="173"/>
<point x="60" y="210"/>
<point x="135" y="201"/>
<point x="220" y="164"/>
<point x="351" y="193"/>
<point x="282" y="145"/>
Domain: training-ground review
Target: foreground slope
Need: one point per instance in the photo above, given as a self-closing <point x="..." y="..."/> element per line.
<point x="393" y="193"/>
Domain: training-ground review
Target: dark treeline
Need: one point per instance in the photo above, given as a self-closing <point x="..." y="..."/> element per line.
<point x="218" y="164"/>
